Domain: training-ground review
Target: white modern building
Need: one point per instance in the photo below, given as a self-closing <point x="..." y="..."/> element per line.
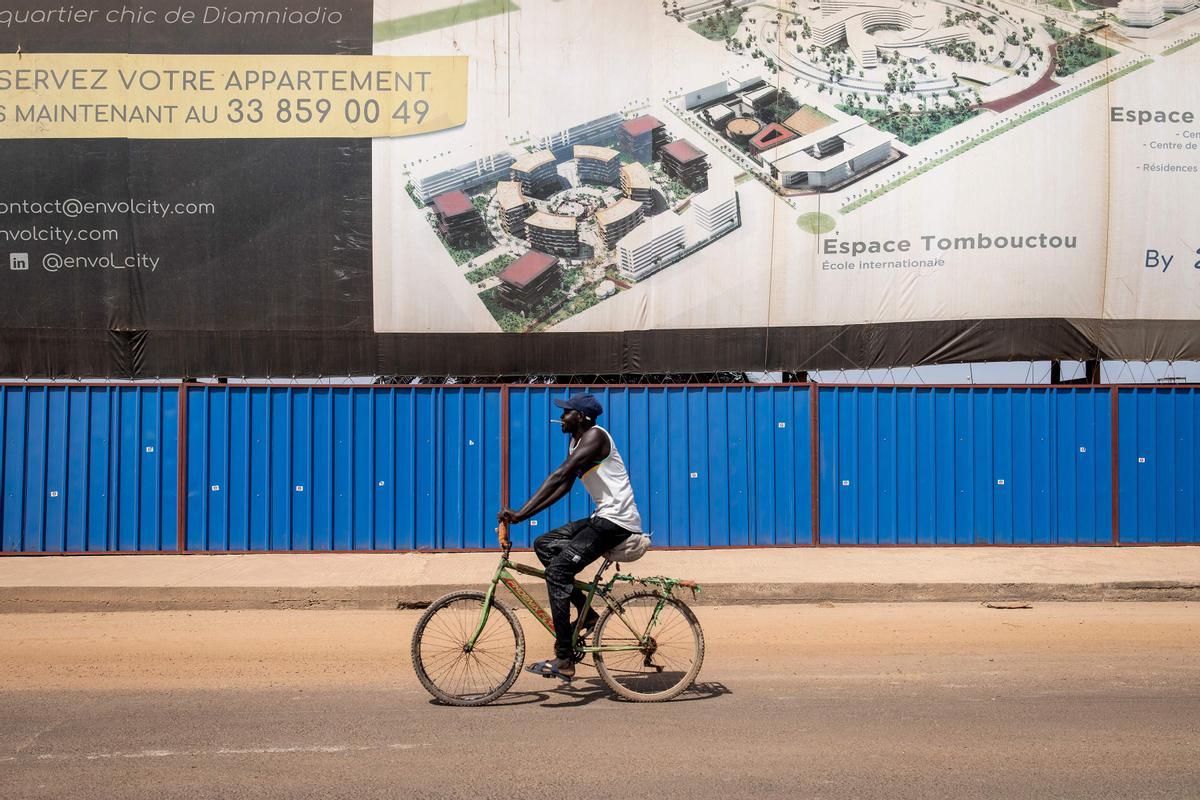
<point x="439" y="180"/>
<point x="1141" y="13"/>
<point x="761" y="97"/>
<point x="715" y="210"/>
<point x="859" y="22"/>
<point x="656" y="243"/>
<point x="830" y="155"/>
<point x="598" y="131"/>
<point x="733" y="85"/>
<point x="694" y="11"/>
<point x="719" y="114"/>
<point x="1139" y="19"/>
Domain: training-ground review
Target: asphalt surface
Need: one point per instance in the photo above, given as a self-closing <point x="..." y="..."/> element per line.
<point x="931" y="700"/>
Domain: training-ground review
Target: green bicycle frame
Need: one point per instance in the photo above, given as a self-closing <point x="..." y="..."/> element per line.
<point x="593" y="589"/>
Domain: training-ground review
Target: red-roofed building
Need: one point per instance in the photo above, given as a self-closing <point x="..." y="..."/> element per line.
<point x="451" y="204"/>
<point x="683" y="151"/>
<point x="642" y="138"/>
<point x="527" y="281"/>
<point x="639" y="125"/>
<point x="685" y="163"/>
<point x="458" y="219"/>
<point x="771" y="136"/>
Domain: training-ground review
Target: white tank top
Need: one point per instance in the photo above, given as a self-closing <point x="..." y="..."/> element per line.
<point x="608" y="484"/>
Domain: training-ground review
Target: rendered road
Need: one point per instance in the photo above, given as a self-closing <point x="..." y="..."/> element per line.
<point x="855" y="701"/>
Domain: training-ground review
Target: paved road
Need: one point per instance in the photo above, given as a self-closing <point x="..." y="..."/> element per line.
<point x="857" y="701"/>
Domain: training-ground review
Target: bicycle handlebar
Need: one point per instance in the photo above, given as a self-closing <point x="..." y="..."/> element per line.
<point x="502" y="535"/>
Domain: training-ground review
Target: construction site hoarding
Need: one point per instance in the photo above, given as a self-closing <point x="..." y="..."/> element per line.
<point x="564" y="186"/>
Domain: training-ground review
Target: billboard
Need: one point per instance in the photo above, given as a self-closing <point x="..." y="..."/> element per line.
<point x="516" y="186"/>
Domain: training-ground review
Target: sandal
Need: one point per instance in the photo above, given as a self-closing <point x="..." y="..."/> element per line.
<point x="547" y="669"/>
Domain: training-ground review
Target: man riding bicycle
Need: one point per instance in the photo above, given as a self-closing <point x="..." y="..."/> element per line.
<point x="591" y="456"/>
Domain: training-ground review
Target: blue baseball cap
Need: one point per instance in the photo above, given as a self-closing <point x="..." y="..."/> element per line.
<point x="584" y="403"/>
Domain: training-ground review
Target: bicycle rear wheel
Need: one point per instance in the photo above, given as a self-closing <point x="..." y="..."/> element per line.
<point x="664" y="663"/>
<point x="456" y="674"/>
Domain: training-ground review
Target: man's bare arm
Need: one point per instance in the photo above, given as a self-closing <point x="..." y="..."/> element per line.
<point x="558" y="483"/>
<point x="557" y="494"/>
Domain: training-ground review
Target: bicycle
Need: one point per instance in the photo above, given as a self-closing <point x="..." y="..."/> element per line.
<point x="647" y="646"/>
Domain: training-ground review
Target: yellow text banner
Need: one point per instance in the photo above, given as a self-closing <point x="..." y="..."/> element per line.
<point x="107" y="95"/>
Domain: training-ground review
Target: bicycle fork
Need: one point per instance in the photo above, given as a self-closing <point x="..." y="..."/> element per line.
<point x="487" y="609"/>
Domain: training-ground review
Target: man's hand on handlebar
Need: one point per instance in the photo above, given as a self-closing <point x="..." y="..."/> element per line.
<point x="508" y="515"/>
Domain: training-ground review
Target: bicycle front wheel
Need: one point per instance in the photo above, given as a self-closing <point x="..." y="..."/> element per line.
<point x="664" y="654"/>
<point x="454" y="671"/>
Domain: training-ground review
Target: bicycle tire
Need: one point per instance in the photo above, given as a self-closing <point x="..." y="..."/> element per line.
<point x="647" y="686"/>
<point x="452" y="627"/>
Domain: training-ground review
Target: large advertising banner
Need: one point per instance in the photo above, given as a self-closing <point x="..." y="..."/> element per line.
<point x="732" y="164"/>
<point x="517" y="186"/>
<point x="142" y="233"/>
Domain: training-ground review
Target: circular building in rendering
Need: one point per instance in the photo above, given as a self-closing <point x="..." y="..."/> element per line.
<point x="742" y="128"/>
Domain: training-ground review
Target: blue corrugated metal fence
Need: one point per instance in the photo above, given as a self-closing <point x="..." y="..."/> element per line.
<point x="88" y="468"/>
<point x="1159" y="447"/>
<point x="710" y="466"/>
<point x="965" y="466"/>
<point x="274" y="468"/>
<point x="342" y="468"/>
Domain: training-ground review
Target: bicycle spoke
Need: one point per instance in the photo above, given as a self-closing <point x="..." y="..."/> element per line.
<point x="455" y="673"/>
<point x="472" y="678"/>
<point x="492" y="661"/>
<point x="459" y="675"/>
<point x="666" y="657"/>
<point x="443" y="663"/>
<point x="672" y="624"/>
<point x="453" y="669"/>
<point x="440" y="640"/>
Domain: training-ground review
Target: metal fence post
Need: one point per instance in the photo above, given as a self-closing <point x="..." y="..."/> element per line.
<point x="181" y="454"/>
<point x="1116" y="468"/>
<point x="814" y="436"/>
<point x="504" y="446"/>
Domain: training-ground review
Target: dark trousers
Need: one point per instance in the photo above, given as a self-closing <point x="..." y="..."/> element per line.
<point x="564" y="552"/>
